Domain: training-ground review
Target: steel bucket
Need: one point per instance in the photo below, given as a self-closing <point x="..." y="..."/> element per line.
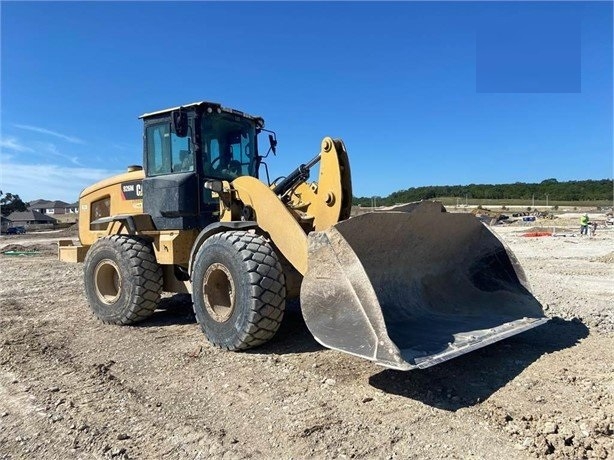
<point x="413" y="287"/>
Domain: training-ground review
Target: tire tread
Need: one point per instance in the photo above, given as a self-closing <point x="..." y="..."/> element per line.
<point x="144" y="271"/>
<point x="267" y="286"/>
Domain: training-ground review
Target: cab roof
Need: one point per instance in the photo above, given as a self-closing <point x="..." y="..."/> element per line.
<point x="203" y="104"/>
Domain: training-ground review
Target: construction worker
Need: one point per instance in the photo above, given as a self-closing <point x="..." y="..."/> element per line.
<point x="584" y="224"/>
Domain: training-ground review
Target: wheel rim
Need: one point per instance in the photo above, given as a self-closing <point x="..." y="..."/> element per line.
<point x="219" y="292"/>
<point x="108" y="281"/>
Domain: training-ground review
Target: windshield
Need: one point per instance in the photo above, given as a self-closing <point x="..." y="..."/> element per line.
<point x="229" y="146"/>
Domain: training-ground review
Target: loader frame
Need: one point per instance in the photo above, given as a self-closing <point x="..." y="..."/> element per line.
<point x="406" y="288"/>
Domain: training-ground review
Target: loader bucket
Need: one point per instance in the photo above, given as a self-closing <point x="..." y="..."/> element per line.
<point x="414" y="288"/>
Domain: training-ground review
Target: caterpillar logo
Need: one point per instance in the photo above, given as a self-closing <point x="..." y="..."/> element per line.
<point x="132" y="190"/>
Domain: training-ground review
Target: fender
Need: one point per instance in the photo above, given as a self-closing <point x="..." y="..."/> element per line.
<point x="135" y="224"/>
<point x="212" y="229"/>
<point x="126" y="219"/>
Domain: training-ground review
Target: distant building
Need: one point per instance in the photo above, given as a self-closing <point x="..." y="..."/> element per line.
<point x="26" y="218"/>
<point x="54" y="207"/>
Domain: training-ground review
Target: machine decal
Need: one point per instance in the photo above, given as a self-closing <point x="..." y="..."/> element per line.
<point x="132" y="190"/>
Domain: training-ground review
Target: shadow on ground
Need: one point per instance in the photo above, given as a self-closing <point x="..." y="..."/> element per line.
<point x="291" y="337"/>
<point x="174" y="310"/>
<point x="472" y="378"/>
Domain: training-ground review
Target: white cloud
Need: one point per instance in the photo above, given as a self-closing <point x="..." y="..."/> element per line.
<point x="53" y="150"/>
<point x="48" y="181"/>
<point x="123" y="146"/>
<point x="11" y="143"/>
<point x="38" y="148"/>
<point x="36" y="129"/>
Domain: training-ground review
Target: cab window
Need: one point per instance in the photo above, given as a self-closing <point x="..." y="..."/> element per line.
<point x="166" y="152"/>
<point x="158" y="149"/>
<point x="228" y="146"/>
<point x="181" y="154"/>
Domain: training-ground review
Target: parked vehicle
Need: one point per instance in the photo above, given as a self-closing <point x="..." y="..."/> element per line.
<point x="16" y="230"/>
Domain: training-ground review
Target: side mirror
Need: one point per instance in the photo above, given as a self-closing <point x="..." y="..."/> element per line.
<point x="273" y="143"/>
<point x="214" y="185"/>
<point x="180" y="123"/>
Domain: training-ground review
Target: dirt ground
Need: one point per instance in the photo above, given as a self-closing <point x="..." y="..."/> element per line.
<point x="72" y="387"/>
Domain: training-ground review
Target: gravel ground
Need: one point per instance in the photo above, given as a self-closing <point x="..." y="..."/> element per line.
<point x="72" y="387"/>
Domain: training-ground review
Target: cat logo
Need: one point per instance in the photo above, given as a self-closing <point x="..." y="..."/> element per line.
<point x="132" y="190"/>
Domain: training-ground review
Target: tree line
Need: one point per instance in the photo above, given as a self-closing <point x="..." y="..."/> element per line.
<point x="576" y="190"/>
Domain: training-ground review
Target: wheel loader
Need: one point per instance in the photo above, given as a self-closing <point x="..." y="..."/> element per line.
<point x="406" y="288"/>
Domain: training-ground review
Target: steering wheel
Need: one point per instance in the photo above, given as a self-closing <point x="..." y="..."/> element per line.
<point x="217" y="160"/>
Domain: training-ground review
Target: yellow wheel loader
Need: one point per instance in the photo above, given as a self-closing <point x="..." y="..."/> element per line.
<point x="406" y="288"/>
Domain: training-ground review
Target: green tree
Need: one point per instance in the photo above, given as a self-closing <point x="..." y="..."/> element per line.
<point x="10" y="203"/>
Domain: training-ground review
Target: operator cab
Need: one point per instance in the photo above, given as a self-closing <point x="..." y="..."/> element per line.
<point x="185" y="146"/>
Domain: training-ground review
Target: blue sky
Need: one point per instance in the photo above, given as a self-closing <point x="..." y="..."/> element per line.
<point x="422" y="93"/>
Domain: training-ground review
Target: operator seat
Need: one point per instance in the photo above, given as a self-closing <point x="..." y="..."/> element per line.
<point x="185" y="162"/>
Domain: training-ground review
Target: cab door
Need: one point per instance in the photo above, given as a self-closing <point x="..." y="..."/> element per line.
<point x="171" y="185"/>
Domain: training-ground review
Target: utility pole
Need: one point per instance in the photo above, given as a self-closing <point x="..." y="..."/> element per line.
<point x="533" y="205"/>
<point x="546" y="200"/>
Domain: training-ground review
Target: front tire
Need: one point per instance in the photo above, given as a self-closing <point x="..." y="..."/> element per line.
<point x="123" y="281"/>
<point x="238" y="289"/>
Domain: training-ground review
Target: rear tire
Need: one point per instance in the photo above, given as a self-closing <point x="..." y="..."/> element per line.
<point x="123" y="281"/>
<point x="238" y="289"/>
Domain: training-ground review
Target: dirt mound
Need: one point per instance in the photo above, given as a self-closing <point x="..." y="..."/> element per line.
<point x="49" y="248"/>
<point x="548" y="229"/>
<point x="608" y="258"/>
<point x="73" y="230"/>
